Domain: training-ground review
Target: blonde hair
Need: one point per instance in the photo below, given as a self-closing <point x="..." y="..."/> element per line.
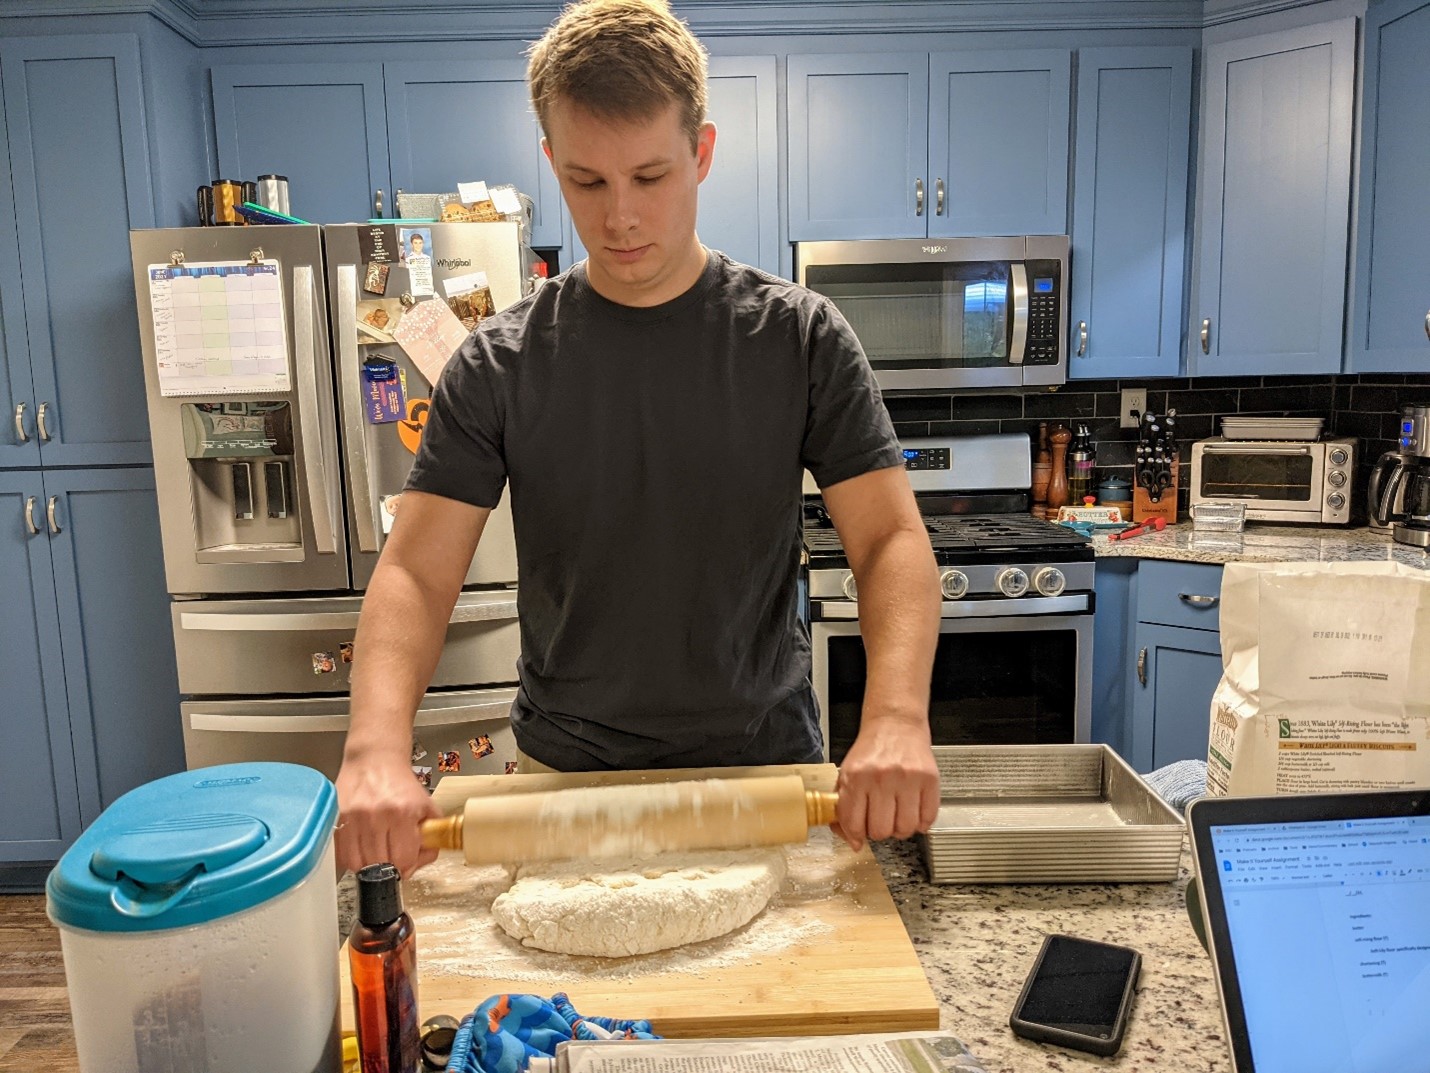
<point x="621" y="60"/>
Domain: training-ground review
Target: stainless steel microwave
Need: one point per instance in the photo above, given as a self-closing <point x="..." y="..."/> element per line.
<point x="1303" y="481"/>
<point x="938" y="314"/>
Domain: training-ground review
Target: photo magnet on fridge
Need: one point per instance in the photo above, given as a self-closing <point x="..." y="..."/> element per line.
<point x="415" y="251"/>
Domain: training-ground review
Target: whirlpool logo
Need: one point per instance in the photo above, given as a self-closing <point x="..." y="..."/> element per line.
<point x="454" y="262"/>
<point x="935" y="249"/>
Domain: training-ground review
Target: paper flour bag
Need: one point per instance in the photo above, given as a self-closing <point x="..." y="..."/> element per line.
<point x="1325" y="679"/>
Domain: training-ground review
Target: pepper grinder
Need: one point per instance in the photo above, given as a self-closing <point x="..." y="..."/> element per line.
<point x="1060" y="437"/>
<point x="1042" y="473"/>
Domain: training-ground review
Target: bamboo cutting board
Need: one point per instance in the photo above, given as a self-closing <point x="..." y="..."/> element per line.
<point x="829" y="956"/>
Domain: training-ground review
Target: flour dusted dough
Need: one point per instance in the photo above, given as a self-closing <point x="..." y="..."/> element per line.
<point x="615" y="908"/>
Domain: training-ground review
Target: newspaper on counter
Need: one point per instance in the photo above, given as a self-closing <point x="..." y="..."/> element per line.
<point x="884" y="1052"/>
<point x="1325" y="682"/>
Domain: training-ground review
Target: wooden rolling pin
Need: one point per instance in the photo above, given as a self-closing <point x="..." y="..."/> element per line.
<point x="632" y="821"/>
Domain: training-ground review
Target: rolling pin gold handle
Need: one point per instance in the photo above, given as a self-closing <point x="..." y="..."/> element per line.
<point x="819" y="807"/>
<point x="445" y="833"/>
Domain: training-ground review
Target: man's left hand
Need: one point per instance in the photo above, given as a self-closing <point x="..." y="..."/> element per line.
<point x="888" y="782"/>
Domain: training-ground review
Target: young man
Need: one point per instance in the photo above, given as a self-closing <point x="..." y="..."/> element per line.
<point x="650" y="412"/>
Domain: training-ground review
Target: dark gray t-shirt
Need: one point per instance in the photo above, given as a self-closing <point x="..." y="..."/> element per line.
<point x="654" y="459"/>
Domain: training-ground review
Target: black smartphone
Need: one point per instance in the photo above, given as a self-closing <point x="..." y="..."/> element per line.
<point x="1078" y="995"/>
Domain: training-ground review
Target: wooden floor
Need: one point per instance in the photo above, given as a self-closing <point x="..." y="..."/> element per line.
<point x="35" y="1029"/>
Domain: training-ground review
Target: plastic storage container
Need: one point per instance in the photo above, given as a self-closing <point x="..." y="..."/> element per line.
<point x="198" y="919"/>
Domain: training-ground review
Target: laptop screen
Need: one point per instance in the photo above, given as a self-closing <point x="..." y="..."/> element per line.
<point x="1322" y="933"/>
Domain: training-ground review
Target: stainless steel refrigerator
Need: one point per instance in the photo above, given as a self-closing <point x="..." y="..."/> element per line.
<point x="284" y="412"/>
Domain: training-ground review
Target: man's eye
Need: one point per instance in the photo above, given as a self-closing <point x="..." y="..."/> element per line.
<point x="591" y="185"/>
<point x="648" y="180"/>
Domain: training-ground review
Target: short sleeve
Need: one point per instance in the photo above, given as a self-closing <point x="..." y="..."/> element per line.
<point x="847" y="428"/>
<point x="460" y="455"/>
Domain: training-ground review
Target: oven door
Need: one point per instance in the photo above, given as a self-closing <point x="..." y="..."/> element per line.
<point x="1021" y="679"/>
<point x="1278" y="482"/>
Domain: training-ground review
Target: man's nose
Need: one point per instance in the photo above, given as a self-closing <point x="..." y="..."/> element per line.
<point x="622" y="214"/>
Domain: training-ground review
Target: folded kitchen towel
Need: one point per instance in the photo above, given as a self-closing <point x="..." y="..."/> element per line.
<point x="1179" y="783"/>
<point x="506" y="1031"/>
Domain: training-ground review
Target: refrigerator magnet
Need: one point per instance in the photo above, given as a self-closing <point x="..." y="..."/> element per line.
<point x="418" y="750"/>
<point x="378" y="245"/>
<point x="382" y="392"/>
<point x="345" y="651"/>
<point x="481" y="746"/>
<point x="449" y="760"/>
<point x="324" y="663"/>
<point x="415" y="251"/>
<point x="409" y="431"/>
<point x="424" y="776"/>
<point x="388" y="513"/>
<point x="374" y="278"/>
<point x="510" y="768"/>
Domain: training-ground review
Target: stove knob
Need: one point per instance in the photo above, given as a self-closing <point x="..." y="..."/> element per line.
<point x="1336" y="478"/>
<point x="1339" y="456"/>
<point x="1012" y="581"/>
<point x="1049" y="581"/>
<point x="851" y="590"/>
<point x="1335" y="501"/>
<point x="954" y="584"/>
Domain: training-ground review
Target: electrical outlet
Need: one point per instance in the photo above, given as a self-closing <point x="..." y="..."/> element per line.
<point x="1134" y="405"/>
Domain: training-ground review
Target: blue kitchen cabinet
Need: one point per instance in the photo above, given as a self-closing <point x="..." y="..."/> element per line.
<point x="1274" y="202"/>
<point x="450" y="123"/>
<point x="1390" y="306"/>
<point x="1129" y="219"/>
<point x="907" y="145"/>
<point x="41" y="814"/>
<point x="92" y="695"/>
<point x="323" y="125"/>
<point x="18" y="444"/>
<point x="739" y="199"/>
<point x="1174" y="661"/>
<point x="998" y="142"/>
<point x="78" y="158"/>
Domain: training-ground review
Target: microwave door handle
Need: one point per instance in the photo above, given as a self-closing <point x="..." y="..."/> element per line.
<point x="1019" y="342"/>
<point x="354" y="432"/>
<point x="305" y="335"/>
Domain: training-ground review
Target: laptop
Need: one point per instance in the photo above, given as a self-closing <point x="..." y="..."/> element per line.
<point x="1317" y="913"/>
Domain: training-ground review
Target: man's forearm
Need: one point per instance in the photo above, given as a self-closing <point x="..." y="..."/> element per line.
<point x="899" y="607"/>
<point x="398" y="644"/>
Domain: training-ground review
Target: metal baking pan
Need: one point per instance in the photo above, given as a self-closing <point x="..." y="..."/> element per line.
<point x="1272" y="428"/>
<point x="1048" y="814"/>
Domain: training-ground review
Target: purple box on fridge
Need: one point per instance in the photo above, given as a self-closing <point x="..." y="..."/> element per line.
<point x="382" y="392"/>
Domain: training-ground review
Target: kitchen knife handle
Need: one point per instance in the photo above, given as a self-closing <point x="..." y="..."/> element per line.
<point x="1207" y="335"/>
<point x="20" y="433"/>
<point x="918" y="197"/>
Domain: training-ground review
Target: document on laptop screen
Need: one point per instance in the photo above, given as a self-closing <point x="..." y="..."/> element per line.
<point x="1329" y="923"/>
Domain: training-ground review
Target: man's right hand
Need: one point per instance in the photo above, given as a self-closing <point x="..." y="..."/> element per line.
<point x="381" y="806"/>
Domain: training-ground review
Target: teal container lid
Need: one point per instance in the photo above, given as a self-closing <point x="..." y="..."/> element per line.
<point x="194" y="847"/>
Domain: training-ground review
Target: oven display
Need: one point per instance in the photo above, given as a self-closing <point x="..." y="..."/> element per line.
<point x="928" y="458"/>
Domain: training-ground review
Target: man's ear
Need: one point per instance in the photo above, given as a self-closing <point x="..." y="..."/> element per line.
<point x="704" y="151"/>
<point x="546" y="148"/>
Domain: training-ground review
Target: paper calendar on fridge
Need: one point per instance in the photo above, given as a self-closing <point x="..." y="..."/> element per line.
<point x="219" y="327"/>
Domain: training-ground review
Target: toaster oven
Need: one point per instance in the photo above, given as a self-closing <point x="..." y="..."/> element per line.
<point x="1303" y="482"/>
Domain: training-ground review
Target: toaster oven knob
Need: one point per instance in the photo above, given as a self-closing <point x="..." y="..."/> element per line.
<point x="851" y="590"/>
<point x="1339" y="456"/>
<point x="1049" y="581"/>
<point x="1335" y="501"/>
<point x="954" y="583"/>
<point x="1336" y="478"/>
<point x="1012" y="581"/>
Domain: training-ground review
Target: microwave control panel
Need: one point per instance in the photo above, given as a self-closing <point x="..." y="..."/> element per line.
<point x="1045" y="296"/>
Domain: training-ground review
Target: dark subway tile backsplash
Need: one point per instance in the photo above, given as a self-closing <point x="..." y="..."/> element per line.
<point x="1365" y="406"/>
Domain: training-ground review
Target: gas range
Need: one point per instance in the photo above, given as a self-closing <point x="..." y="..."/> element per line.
<point x="974" y="494"/>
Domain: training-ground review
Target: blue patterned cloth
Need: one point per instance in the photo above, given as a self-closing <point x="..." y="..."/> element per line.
<point x="505" y="1031"/>
<point x="1179" y="783"/>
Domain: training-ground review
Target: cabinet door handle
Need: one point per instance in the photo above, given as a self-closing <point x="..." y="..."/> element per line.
<point x="1207" y="336"/>
<point x="918" y="197"/>
<point x="938" y="199"/>
<point x="50" y="505"/>
<point x="1427" y="325"/>
<point x="1198" y="601"/>
<point x="30" y="516"/>
<point x="1081" y="338"/>
<point x="40" y="426"/>
<point x="377" y="203"/>
<point x="20" y="433"/>
<point x="1142" y="667"/>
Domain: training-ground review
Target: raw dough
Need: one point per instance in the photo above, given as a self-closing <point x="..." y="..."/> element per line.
<point x="615" y="908"/>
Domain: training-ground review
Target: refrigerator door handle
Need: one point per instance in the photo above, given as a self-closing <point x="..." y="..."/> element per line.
<point x="354" y="430"/>
<point x="315" y="463"/>
<point x="465" y="611"/>
<point x="492" y="710"/>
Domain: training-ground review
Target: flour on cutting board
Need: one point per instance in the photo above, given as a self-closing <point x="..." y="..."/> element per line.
<point x="458" y="937"/>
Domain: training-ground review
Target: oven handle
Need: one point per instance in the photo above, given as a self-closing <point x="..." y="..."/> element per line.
<point x="1259" y="449"/>
<point x="1037" y="605"/>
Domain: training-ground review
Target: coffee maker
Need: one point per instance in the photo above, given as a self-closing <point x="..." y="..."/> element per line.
<point x="1400" y="488"/>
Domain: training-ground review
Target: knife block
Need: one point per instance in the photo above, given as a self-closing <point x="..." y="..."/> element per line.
<point x="1144" y="510"/>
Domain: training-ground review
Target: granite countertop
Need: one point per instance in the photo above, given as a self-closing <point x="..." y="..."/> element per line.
<point x="1264" y="543"/>
<point x="977" y="944"/>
